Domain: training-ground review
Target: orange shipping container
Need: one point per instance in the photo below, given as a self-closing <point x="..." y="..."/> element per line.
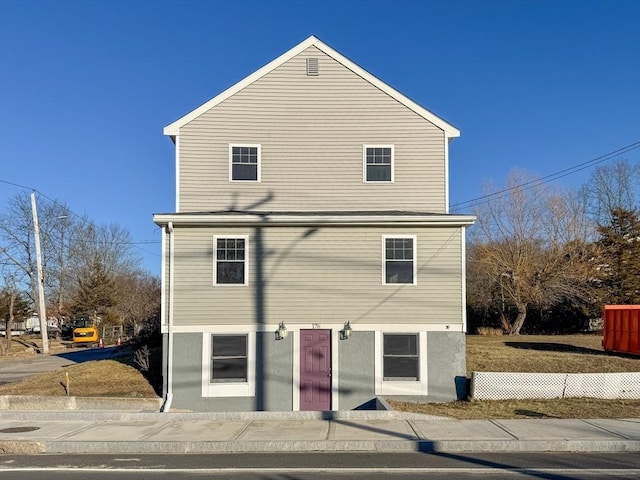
<point x="621" y="328"/>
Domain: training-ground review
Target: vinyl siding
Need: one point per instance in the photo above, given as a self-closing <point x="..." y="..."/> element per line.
<point x="312" y="130"/>
<point x="329" y="274"/>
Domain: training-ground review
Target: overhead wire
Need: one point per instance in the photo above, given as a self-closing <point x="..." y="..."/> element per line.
<point x="547" y="178"/>
<point x="83" y="219"/>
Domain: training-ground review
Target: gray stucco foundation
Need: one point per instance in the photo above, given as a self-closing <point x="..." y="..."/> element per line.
<point x="274" y="373"/>
<point x="357" y="373"/>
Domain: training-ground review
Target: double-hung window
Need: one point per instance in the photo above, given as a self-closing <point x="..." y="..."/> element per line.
<point x="231" y="260"/>
<point x="378" y="163"/>
<point x="400" y="357"/>
<point x="244" y="163"/>
<point x="401" y="363"/>
<point x="399" y="260"/>
<point x="229" y="364"/>
<point x="229" y="358"/>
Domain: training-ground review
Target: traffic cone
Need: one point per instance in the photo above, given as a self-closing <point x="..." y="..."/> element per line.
<point x="100" y="344"/>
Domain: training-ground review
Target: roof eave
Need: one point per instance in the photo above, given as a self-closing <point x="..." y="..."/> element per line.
<point x="173" y="129"/>
<point x="274" y="219"/>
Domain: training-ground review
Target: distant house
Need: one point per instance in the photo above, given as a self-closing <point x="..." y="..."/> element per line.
<point x="311" y="262"/>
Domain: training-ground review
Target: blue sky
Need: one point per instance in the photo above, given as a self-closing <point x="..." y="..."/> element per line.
<point x="87" y="86"/>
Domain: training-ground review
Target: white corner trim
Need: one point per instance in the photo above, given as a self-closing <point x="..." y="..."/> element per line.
<point x="177" y="173"/>
<point x="463" y="273"/>
<point x="446" y="175"/>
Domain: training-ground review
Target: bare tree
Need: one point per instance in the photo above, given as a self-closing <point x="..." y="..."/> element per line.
<point x="529" y="245"/>
<point x="613" y="187"/>
<point x="138" y="299"/>
<point x="13" y="308"/>
<point x="17" y="248"/>
<point x="73" y="248"/>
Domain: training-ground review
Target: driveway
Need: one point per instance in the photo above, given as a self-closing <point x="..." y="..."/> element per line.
<point x="14" y="370"/>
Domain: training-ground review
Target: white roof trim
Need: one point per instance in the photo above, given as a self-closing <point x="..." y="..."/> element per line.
<point x="173" y="129"/>
<point x="275" y="219"/>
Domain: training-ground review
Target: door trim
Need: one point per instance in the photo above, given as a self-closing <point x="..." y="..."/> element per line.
<point x="335" y="373"/>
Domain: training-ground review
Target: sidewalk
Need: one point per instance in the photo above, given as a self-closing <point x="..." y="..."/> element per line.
<point x="32" y="432"/>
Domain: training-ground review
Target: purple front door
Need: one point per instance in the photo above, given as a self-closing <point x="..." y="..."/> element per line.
<point x="315" y="369"/>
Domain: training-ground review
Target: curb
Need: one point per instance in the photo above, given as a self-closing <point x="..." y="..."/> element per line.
<point x="445" y="446"/>
<point x="32" y="403"/>
<point x="98" y="415"/>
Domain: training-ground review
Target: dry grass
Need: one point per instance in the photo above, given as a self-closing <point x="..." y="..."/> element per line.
<point x="558" y="408"/>
<point x="545" y="354"/>
<point x="104" y="378"/>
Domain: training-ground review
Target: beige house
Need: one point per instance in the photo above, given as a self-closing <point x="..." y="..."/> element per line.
<point x="311" y="262"/>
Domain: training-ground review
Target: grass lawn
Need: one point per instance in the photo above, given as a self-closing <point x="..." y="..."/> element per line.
<point x="103" y="378"/>
<point x="544" y="354"/>
<point x="539" y="353"/>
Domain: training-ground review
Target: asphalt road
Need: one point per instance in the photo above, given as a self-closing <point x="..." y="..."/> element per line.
<point x="16" y="370"/>
<point x="324" y="466"/>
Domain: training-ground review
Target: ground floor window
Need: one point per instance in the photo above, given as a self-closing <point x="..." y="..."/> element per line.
<point x="401" y="357"/>
<point x="401" y="363"/>
<point x="228" y="364"/>
<point x="228" y="358"/>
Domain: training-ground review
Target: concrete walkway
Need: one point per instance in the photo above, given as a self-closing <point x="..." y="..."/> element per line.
<point x="152" y="432"/>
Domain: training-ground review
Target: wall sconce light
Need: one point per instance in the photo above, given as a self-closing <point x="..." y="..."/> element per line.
<point x="346" y="332"/>
<point x="281" y="332"/>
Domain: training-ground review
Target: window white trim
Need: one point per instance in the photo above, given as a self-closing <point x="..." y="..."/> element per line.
<point x="364" y="163"/>
<point x="228" y="389"/>
<point x="259" y="166"/>
<point x="246" y="260"/>
<point x="400" y="387"/>
<point x="415" y="258"/>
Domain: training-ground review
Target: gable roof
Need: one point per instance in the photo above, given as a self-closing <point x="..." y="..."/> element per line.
<point x="449" y="130"/>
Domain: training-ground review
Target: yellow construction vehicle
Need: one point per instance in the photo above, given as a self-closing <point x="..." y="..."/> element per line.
<point x="84" y="331"/>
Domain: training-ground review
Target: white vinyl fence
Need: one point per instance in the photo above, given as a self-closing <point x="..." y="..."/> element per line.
<point x="499" y="385"/>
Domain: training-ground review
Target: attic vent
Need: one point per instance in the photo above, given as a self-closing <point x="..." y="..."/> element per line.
<point x="312" y="67"/>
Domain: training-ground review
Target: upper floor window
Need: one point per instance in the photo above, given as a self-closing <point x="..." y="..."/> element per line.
<point x="244" y="163"/>
<point x="400" y="260"/>
<point x="231" y="261"/>
<point x="378" y="163"/>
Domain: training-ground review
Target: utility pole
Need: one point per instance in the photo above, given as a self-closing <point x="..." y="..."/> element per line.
<point x="42" y="308"/>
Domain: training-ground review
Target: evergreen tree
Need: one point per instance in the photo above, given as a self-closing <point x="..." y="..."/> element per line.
<point x="620" y="257"/>
<point x="96" y="293"/>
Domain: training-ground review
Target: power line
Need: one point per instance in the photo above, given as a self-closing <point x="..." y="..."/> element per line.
<point x="84" y="219"/>
<point x="551" y="177"/>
